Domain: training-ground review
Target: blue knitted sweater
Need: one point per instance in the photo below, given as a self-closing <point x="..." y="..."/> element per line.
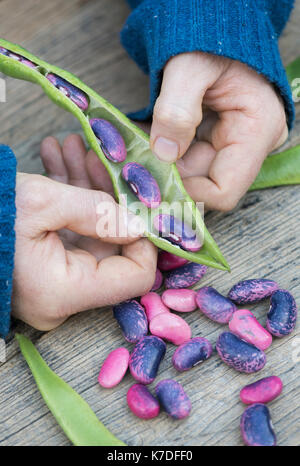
<point x="245" y="30"/>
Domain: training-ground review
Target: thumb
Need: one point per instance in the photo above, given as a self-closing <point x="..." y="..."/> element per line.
<point x="178" y="109"/>
<point x="47" y="205"/>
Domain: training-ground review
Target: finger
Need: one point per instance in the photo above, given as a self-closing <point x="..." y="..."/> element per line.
<point x="97" y="248"/>
<point x="197" y="160"/>
<point x="46" y="205"/>
<point x="178" y="109"/>
<point x="74" y="153"/>
<point x="51" y="155"/>
<point x="99" y="177"/>
<point x="114" y="279"/>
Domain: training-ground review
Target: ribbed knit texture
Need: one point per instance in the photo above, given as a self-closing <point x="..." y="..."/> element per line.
<point x="244" y="30"/>
<point x="7" y="234"/>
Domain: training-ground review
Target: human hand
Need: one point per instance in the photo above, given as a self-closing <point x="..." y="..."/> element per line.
<point x="219" y="119"/>
<point x="61" y="266"/>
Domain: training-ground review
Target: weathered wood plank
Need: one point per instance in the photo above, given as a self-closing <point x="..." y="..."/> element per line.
<point x="260" y="238"/>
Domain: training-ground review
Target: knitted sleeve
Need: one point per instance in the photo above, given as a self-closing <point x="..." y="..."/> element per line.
<point x="244" y="30"/>
<point x="7" y="234"/>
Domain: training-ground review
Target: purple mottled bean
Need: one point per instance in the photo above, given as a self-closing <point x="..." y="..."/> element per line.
<point x="146" y="358"/>
<point x="177" y="232"/>
<point x="142" y="184"/>
<point x="191" y="353"/>
<point x="262" y="391"/>
<point x="256" y="426"/>
<point x="215" y="306"/>
<point x="282" y="315"/>
<point x="180" y="300"/>
<point x="17" y="57"/>
<point x="111" y="142"/>
<point x="173" y="398"/>
<point x="141" y="402"/>
<point x="251" y="291"/>
<point x="239" y="354"/>
<point x="75" y="94"/>
<point x="167" y="261"/>
<point x="158" y="280"/>
<point x="185" y="276"/>
<point x="132" y="319"/>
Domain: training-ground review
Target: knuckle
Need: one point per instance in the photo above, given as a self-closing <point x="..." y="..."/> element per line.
<point x="173" y="116"/>
<point x="226" y="202"/>
<point x="31" y="194"/>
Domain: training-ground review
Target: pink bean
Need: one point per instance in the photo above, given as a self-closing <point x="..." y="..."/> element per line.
<point x="261" y="391"/>
<point x="181" y="300"/>
<point x="158" y="280"/>
<point x="153" y="305"/>
<point x="170" y="327"/>
<point x="114" y="368"/>
<point x="244" y="324"/>
<point x="168" y="261"/>
<point x="141" y="402"/>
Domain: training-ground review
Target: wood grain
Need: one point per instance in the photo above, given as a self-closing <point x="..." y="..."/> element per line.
<point x="260" y="238"/>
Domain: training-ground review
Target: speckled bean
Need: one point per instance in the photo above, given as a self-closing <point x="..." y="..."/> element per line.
<point x="191" y="353"/>
<point x="74" y="93"/>
<point x="170" y="327"/>
<point x="256" y="426"/>
<point x="132" y="319"/>
<point x="17" y="57"/>
<point x="153" y="305"/>
<point x="158" y="280"/>
<point x="251" y="291"/>
<point x="177" y="232"/>
<point x="110" y="140"/>
<point x="262" y="391"/>
<point x="182" y="300"/>
<point x="141" y="402"/>
<point x="146" y="357"/>
<point x="244" y="324"/>
<point x="239" y="354"/>
<point x="167" y="261"/>
<point x="173" y="398"/>
<point x="142" y="184"/>
<point x="215" y="306"/>
<point x="114" y="368"/>
<point x="185" y="276"/>
<point x="282" y="314"/>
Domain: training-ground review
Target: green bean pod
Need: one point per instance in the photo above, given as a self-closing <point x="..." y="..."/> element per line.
<point x="137" y="144"/>
<point x="73" y="414"/>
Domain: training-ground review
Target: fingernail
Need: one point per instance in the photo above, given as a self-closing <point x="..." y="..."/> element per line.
<point x="166" y="149"/>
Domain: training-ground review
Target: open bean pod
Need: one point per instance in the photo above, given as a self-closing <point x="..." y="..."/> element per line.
<point x="173" y="194"/>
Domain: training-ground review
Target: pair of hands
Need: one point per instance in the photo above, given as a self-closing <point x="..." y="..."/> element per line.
<point x="216" y="117"/>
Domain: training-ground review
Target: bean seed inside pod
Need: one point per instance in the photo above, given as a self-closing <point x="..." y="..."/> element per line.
<point x="185" y="276"/>
<point x="215" y="306"/>
<point x="17" y="57"/>
<point x="261" y="391"/>
<point x="142" y="184"/>
<point x="251" y="291"/>
<point x="191" y="353"/>
<point x="244" y="324"/>
<point x="239" y="354"/>
<point x="256" y="426"/>
<point x="282" y="314"/>
<point x="146" y="358"/>
<point x="182" y="300"/>
<point x="114" y="368"/>
<point x="74" y="93"/>
<point x="173" y="398"/>
<point x="167" y="261"/>
<point x="177" y="232"/>
<point x="141" y="402"/>
<point x="111" y="142"/>
<point x="132" y="319"/>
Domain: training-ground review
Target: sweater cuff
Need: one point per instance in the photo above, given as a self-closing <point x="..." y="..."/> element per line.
<point x="7" y="234"/>
<point x="160" y="29"/>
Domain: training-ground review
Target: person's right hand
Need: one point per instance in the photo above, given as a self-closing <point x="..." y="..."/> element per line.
<point x="61" y="266"/>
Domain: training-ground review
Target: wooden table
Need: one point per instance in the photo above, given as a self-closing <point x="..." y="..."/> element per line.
<point x="260" y="238"/>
